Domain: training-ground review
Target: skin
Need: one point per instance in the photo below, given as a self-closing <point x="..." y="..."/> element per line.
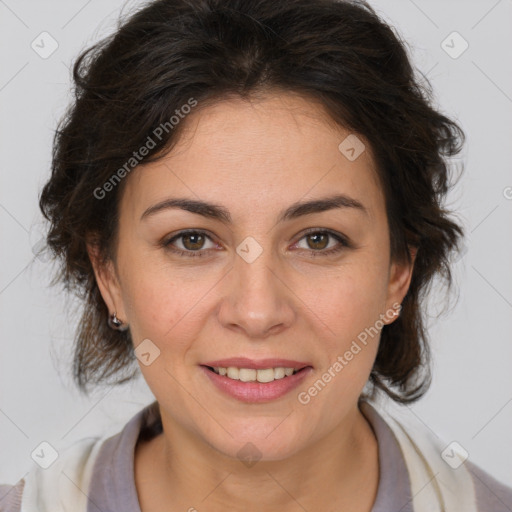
<point x="255" y="159"/>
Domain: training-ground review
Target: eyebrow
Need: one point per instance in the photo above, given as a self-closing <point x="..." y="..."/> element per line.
<point x="218" y="212"/>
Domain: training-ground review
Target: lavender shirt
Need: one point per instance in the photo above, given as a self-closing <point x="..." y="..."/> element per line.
<point x="113" y="488"/>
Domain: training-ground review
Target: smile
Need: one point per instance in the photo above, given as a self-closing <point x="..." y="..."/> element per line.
<point x="252" y="385"/>
<point x="252" y="375"/>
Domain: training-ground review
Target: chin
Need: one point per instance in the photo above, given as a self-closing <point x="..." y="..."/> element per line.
<point x="251" y="441"/>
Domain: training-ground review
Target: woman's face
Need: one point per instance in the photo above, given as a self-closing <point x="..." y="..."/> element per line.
<point x="260" y="278"/>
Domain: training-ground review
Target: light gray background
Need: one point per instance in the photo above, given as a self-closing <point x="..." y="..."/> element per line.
<point x="471" y="397"/>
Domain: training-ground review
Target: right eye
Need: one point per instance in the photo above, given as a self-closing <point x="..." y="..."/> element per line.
<point x="192" y="242"/>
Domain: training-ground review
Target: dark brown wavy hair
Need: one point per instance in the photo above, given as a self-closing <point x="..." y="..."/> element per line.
<point x="338" y="53"/>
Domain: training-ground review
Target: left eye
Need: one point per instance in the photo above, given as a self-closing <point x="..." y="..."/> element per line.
<point x="318" y="241"/>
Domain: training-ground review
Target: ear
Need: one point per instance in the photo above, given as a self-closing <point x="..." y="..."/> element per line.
<point x="108" y="282"/>
<point x="400" y="275"/>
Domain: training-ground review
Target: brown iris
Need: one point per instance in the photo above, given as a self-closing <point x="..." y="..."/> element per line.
<point x="321" y="240"/>
<point x="196" y="240"/>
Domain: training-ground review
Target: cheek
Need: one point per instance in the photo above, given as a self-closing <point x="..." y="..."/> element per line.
<point x="166" y="303"/>
<point x="154" y="301"/>
<point x="349" y="300"/>
<point x="160" y="309"/>
<point x="351" y="311"/>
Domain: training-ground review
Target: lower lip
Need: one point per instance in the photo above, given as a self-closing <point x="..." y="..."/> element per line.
<point x="257" y="392"/>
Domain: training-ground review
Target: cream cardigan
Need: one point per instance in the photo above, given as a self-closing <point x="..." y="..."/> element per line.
<point x="435" y="486"/>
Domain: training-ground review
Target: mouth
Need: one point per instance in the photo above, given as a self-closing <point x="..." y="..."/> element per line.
<point x="263" y="375"/>
<point x="256" y="382"/>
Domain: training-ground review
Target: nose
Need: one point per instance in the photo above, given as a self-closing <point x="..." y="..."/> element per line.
<point x="257" y="302"/>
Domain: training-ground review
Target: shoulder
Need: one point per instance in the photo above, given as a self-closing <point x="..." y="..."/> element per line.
<point x="92" y="465"/>
<point x="440" y="472"/>
<point x="68" y="478"/>
<point x="68" y="472"/>
<point x="10" y="497"/>
<point x="491" y="494"/>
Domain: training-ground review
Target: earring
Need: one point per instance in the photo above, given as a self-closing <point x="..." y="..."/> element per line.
<point x="396" y="312"/>
<point x="115" y="323"/>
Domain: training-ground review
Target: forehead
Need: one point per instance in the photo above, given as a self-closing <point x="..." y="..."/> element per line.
<point x="258" y="153"/>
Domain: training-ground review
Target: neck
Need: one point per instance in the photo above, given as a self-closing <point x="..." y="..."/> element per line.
<point x="196" y="476"/>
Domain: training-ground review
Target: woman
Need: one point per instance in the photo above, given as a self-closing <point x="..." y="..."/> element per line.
<point x="249" y="197"/>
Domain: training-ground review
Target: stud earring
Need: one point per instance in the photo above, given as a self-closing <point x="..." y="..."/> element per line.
<point x="115" y="323"/>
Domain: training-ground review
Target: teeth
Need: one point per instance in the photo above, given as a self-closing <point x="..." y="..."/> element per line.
<point x="252" y="375"/>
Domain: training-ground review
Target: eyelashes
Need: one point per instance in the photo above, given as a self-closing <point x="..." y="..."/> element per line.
<point x="197" y="236"/>
<point x="182" y="234"/>
<point x="342" y="242"/>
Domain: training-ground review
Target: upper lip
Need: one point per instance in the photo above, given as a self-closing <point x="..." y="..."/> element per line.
<point x="257" y="364"/>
